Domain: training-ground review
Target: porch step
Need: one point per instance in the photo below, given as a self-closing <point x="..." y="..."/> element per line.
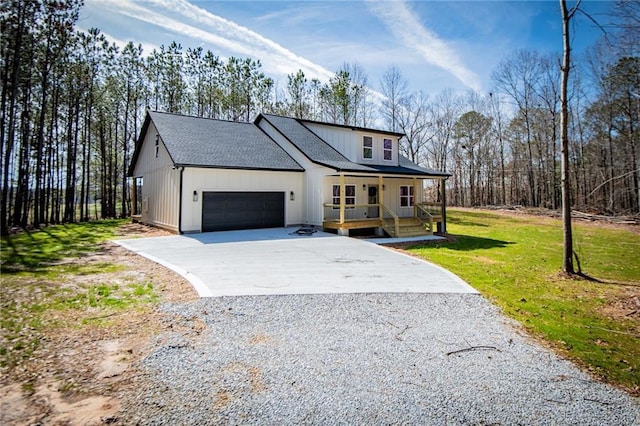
<point x="408" y="228"/>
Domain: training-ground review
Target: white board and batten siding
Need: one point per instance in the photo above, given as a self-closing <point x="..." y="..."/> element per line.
<point x="349" y="143"/>
<point x="236" y="180"/>
<point x="313" y="197"/>
<point x="390" y="197"/>
<point x="160" y="195"/>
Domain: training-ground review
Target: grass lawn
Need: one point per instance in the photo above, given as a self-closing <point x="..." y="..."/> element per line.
<point x="53" y="278"/>
<point x="515" y="261"/>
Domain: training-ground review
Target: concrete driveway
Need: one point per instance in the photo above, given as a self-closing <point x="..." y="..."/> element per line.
<point x="278" y="261"/>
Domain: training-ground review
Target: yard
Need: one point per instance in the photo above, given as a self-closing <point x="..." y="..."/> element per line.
<point x="515" y="261"/>
<point x="76" y="311"/>
<point x="76" y="307"/>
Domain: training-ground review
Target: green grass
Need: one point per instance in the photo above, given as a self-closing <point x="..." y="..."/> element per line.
<point x="516" y="263"/>
<point x="46" y="286"/>
<point x="36" y="251"/>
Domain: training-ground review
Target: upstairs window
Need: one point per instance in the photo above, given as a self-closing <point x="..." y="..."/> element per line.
<point x="367" y="147"/>
<point x="157" y="145"/>
<point x="406" y="196"/>
<point x="387" y="149"/>
<point x="349" y="195"/>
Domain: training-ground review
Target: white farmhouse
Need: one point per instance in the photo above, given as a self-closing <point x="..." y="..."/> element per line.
<point x="197" y="175"/>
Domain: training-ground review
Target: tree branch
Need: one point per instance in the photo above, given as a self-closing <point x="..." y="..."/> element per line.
<point x="612" y="179"/>
<point x="473" y="348"/>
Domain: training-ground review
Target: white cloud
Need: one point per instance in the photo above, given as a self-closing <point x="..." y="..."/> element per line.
<point x="187" y="20"/>
<point x="147" y="47"/>
<point x="404" y="26"/>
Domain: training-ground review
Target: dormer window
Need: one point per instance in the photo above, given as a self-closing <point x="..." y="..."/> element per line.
<point x="367" y="147"/>
<point x="387" y="146"/>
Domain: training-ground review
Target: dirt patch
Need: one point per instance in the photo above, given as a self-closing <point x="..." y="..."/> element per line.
<point x="86" y="358"/>
<point x="625" y="306"/>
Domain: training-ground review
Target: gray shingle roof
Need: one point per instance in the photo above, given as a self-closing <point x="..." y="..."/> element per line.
<point x="193" y="141"/>
<point x="408" y="167"/>
<point x="316" y="149"/>
<point x="320" y="152"/>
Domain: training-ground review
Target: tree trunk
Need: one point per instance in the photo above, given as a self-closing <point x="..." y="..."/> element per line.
<point x="567" y="254"/>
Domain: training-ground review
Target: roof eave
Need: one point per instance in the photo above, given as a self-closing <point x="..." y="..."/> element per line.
<point x="272" y="169"/>
<point x="393" y="174"/>
<point x="354" y="128"/>
<point x="138" y="146"/>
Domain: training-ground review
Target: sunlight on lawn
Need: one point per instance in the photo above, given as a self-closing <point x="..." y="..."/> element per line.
<point x="516" y="261"/>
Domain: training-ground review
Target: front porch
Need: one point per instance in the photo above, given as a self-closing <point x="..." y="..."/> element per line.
<point x="427" y="218"/>
<point x="396" y="205"/>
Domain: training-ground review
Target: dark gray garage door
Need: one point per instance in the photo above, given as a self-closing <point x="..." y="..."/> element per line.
<point x="225" y="211"/>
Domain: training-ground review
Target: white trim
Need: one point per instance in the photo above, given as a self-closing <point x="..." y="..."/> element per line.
<point x="384" y="150"/>
<point x="372" y="148"/>
<point x="354" y="196"/>
<point x="411" y="194"/>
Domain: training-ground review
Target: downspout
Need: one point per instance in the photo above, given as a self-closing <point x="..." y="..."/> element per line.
<point x="180" y="203"/>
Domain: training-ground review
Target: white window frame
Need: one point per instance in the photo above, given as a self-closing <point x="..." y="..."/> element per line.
<point x="385" y="150"/>
<point x="367" y="149"/>
<point x="349" y="200"/>
<point x="408" y="198"/>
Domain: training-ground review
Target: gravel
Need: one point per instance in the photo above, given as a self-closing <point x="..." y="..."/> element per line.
<point x="360" y="359"/>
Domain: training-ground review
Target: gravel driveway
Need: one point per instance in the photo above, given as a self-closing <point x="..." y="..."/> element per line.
<point x="360" y="359"/>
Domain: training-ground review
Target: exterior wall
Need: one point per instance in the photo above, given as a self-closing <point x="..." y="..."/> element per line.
<point x="349" y="143"/>
<point x="312" y="189"/>
<point x="231" y="180"/>
<point x="160" y="193"/>
<point x="390" y="193"/>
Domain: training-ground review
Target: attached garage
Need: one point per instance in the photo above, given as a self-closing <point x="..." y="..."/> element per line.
<point x="225" y="211"/>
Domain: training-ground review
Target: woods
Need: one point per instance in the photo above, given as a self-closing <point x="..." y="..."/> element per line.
<point x="72" y="104"/>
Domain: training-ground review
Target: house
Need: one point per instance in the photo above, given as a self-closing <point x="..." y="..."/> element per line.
<point x="195" y="174"/>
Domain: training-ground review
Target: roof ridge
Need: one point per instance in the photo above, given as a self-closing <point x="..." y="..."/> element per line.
<point x="197" y="117"/>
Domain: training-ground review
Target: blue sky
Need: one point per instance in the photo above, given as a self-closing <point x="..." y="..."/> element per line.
<point x="435" y="44"/>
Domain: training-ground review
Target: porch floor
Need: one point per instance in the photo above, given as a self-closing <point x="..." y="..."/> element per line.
<point x="408" y="226"/>
<point x="353" y="224"/>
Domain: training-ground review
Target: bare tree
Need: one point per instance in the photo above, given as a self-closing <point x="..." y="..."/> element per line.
<point x="496" y="112"/>
<point x="394" y="88"/>
<point x="567" y="236"/>
<point x="517" y="75"/>
<point x="412" y="120"/>
<point x="444" y="113"/>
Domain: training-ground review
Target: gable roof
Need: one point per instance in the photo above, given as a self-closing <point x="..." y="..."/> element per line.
<point x="204" y="142"/>
<point x="320" y="152"/>
<point x="310" y="144"/>
<point x="362" y="129"/>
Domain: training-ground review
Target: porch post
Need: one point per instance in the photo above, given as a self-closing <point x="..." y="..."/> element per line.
<point x="380" y="192"/>
<point x="443" y="196"/>
<point x="342" y="198"/>
<point x="415" y="193"/>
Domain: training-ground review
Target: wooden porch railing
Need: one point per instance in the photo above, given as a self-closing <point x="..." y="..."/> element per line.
<point x="434" y="209"/>
<point x="356" y="210"/>
<point x="349" y="209"/>
<point x="418" y="211"/>
<point x="396" y="219"/>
